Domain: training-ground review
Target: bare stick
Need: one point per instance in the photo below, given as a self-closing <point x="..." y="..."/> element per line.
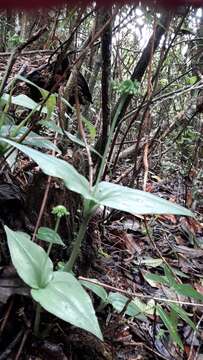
<point x="141" y="296"/>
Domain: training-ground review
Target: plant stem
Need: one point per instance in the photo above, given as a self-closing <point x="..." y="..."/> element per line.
<point x="56" y="230"/>
<point x="37" y="319"/>
<point x="83" y="227"/>
<point x="77" y="244"/>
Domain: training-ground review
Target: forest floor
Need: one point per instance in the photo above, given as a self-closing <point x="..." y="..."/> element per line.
<point x="126" y="249"/>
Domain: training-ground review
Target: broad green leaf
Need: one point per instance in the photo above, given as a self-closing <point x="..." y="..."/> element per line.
<point x="135" y="201"/>
<point x="170" y="325"/>
<point x="187" y="290"/>
<point x="118" y="301"/>
<point x="24" y="101"/>
<point x="65" y="297"/>
<point x="40" y="142"/>
<point x="49" y="235"/>
<point x="30" y="260"/>
<point x="52" y="166"/>
<point x="96" y="289"/>
<point x="32" y="138"/>
<point x="183" y="314"/>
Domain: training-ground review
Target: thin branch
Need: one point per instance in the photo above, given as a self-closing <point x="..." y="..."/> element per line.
<point x="141" y="296"/>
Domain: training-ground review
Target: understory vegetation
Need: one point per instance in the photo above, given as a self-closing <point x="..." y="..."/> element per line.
<point x="101" y="152"/>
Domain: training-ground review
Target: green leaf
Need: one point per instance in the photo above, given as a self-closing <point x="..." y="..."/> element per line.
<point x="49" y="235"/>
<point x="183" y="314"/>
<point x="91" y="129"/>
<point x="187" y="290"/>
<point x="96" y="289"/>
<point x="135" y="201"/>
<point x="30" y="260"/>
<point x="156" y="278"/>
<point x="179" y="273"/>
<point x="192" y="80"/>
<point x="24" y="101"/>
<point x="52" y="166"/>
<point x="118" y="302"/>
<point x="170" y="325"/>
<point x="169" y="275"/>
<point x="34" y="139"/>
<point x="40" y="142"/>
<point x="50" y="102"/>
<point x="65" y="297"/>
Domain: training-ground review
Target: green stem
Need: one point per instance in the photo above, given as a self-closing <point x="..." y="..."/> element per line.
<point x="56" y="230"/>
<point x="77" y="244"/>
<point x="83" y="227"/>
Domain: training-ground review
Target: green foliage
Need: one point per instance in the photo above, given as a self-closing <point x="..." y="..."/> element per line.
<point x="65" y="298"/>
<point x="182" y="289"/>
<point x="23" y="101"/>
<point x="96" y="289"/>
<point x="170" y="325"/>
<point x="29" y="259"/>
<point x="138" y="309"/>
<point x="57" y="168"/>
<point x="107" y="194"/>
<point x="59" y="293"/>
<point x="135" y="201"/>
<point x="135" y="307"/>
<point x="49" y="235"/>
<point x="13" y="41"/>
<point x="191" y="80"/>
<point x="128" y="87"/>
<point x="60" y="211"/>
